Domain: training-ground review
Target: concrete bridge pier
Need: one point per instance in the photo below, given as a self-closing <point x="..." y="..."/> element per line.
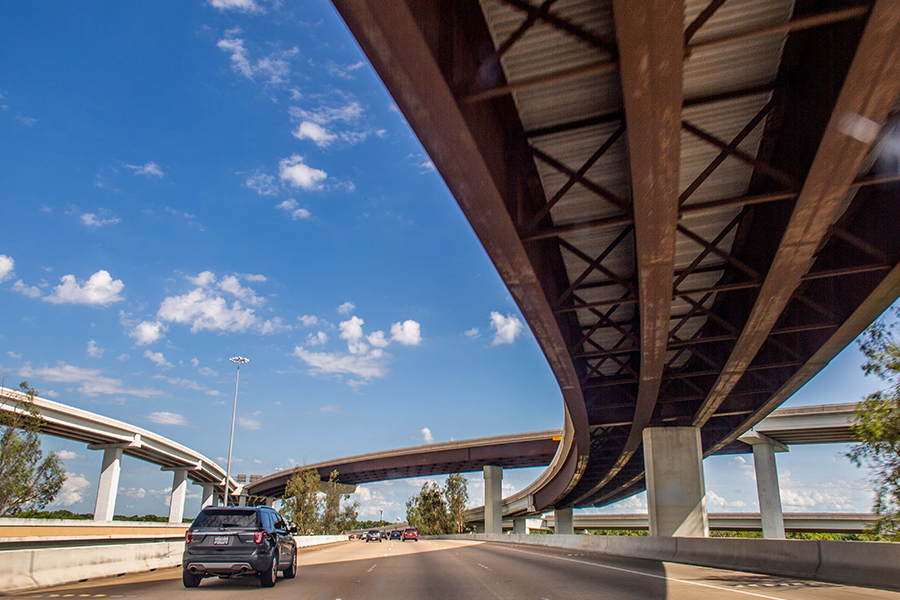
<point x="493" y="499"/>
<point x="676" y="490"/>
<point x="179" y="491"/>
<point x="108" y="486"/>
<point x="520" y="525"/>
<point x="563" y="521"/>
<point x="764" y="449"/>
<point x="208" y="498"/>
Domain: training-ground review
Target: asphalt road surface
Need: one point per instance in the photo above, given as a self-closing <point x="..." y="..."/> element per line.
<point x="451" y="570"/>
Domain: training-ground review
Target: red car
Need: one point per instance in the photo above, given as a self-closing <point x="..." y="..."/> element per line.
<point x="410" y="534"/>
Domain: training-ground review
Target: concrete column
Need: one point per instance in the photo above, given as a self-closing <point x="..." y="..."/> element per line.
<point x="493" y="499"/>
<point x="208" y="498"/>
<point x="270" y="502"/>
<point x="108" y="486"/>
<point x="179" y="490"/>
<point x="764" y="449"/>
<point x="242" y="498"/>
<point x="520" y="525"/>
<point x="479" y="527"/>
<point x="676" y="491"/>
<point x="563" y="521"/>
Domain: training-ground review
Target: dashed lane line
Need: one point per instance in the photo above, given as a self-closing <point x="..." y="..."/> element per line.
<point x="685" y="581"/>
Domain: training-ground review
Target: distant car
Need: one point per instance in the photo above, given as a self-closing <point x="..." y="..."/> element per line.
<point x="410" y="533"/>
<point x="374" y="536"/>
<point x="396" y="534"/>
<point x="232" y="541"/>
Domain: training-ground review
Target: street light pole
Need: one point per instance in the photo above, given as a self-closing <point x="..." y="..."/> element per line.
<point x="239" y="360"/>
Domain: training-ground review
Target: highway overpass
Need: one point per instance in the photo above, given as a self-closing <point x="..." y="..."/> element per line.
<point x="117" y="438"/>
<point x="687" y="201"/>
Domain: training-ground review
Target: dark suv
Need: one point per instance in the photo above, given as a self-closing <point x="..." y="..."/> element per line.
<point x="233" y="541"/>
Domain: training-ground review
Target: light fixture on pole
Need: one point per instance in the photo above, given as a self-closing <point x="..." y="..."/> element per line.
<point x="239" y="360"/>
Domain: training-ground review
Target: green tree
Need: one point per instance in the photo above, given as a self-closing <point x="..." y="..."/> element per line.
<point x="877" y="422"/>
<point x="28" y="480"/>
<point x="339" y="515"/>
<point x="435" y="511"/>
<point x="456" y="494"/>
<point x="301" y="504"/>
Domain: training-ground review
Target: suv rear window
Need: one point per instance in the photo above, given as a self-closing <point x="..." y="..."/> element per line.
<point x="225" y="519"/>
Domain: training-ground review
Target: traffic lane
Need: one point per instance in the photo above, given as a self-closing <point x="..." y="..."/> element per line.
<point x="681" y="581"/>
<point x="449" y="570"/>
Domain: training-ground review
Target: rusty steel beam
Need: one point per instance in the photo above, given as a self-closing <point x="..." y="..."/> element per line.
<point x="870" y="87"/>
<point x="651" y="37"/>
<point x="562" y="24"/>
<point x="468" y="145"/>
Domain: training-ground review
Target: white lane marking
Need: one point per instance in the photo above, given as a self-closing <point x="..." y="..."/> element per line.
<point x="372" y="568"/>
<point x="685" y="581"/>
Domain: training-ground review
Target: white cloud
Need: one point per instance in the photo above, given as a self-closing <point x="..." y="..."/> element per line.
<point x="50" y="394"/>
<point x="348" y="113"/>
<point x="92" y="220"/>
<point x="307" y="130"/>
<point x="262" y="184"/>
<point x="203" y="310"/>
<point x="717" y="503"/>
<point x="366" y="366"/>
<point x="473" y="333"/>
<point x="426" y="436"/>
<point x="68" y="455"/>
<point x="203" y="279"/>
<point x="72" y="491"/>
<point x="6" y="267"/>
<point x="242" y="6"/>
<point x="506" y="329"/>
<point x="30" y="291"/>
<point x="27" y="121"/>
<point x="296" y="173"/>
<point x="804" y="499"/>
<point x="344" y="71"/>
<point x="147" y="332"/>
<point x="148" y="169"/>
<point x="316" y="339"/>
<point x="254" y="277"/>
<point x="248" y="424"/>
<point x="207" y="372"/>
<point x="426" y="166"/>
<point x="94" y="350"/>
<point x="13" y="355"/>
<point x="158" y="359"/>
<point x="407" y="333"/>
<point x="290" y="205"/>
<point x="92" y="381"/>
<point x="378" y="340"/>
<point x="274" y="325"/>
<point x="272" y="66"/>
<point x="351" y="330"/>
<point x="232" y="285"/>
<point x="122" y="357"/>
<point x="167" y="418"/>
<point x="346" y="308"/>
<point x="99" y="290"/>
<point x="331" y="408"/>
<point x="308" y="320"/>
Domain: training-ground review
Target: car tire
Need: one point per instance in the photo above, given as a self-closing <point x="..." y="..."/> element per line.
<point x="268" y="578"/>
<point x="190" y="580"/>
<point x="291" y="571"/>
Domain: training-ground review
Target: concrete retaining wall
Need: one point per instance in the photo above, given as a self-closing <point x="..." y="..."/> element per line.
<point x="37" y="561"/>
<point x="868" y="564"/>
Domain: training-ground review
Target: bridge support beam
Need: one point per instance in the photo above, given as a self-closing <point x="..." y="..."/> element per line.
<point x="208" y="498"/>
<point x="179" y="491"/>
<point x="676" y="490"/>
<point x="270" y="502"/>
<point x="764" y="449"/>
<point x="520" y="525"/>
<point x="493" y="499"/>
<point x="108" y="485"/>
<point x="563" y="521"/>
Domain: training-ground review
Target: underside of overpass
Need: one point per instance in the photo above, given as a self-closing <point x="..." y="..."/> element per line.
<point x="693" y="204"/>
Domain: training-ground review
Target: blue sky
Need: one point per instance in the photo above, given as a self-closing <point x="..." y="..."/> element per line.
<point x="186" y="181"/>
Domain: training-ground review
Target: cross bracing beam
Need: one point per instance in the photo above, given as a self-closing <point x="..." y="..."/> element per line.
<point x="870" y="88"/>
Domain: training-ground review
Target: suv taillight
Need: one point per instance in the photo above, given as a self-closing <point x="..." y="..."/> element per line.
<point x="188" y="536"/>
<point x="258" y="537"/>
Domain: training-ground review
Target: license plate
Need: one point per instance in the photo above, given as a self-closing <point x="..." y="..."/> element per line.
<point x="220" y="540"/>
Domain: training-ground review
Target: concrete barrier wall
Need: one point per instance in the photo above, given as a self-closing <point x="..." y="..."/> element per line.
<point x="868" y="564"/>
<point x="90" y="551"/>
